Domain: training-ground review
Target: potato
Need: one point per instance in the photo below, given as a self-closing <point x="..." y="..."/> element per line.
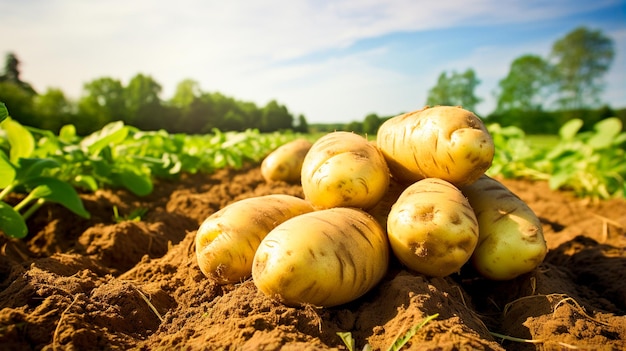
<point x="343" y="169"/>
<point x="285" y="163"/>
<point x="323" y="258"/>
<point x="510" y="241"/>
<point x="432" y="229"/>
<point x="227" y="240"/>
<point x="443" y="142"/>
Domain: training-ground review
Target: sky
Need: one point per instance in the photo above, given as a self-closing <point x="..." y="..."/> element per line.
<point x="331" y="61"/>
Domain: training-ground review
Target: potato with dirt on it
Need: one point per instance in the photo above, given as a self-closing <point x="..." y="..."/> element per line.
<point x="227" y="240"/>
<point x="343" y="169"/>
<point x="445" y="142"/>
<point x="285" y="163"/>
<point x="323" y="258"/>
<point x="510" y="241"/>
<point x="432" y="229"/>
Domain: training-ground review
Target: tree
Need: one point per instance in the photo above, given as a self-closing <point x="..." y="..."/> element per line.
<point x="354" y="127"/>
<point x="371" y="124"/>
<point x="456" y="90"/>
<point x="275" y="117"/>
<point x="103" y="101"/>
<point x="303" y="125"/>
<point x="12" y="74"/>
<point x="581" y="59"/>
<point x="16" y="94"/>
<point x="53" y="110"/>
<point x="527" y="85"/>
<point x="19" y="102"/>
<point x="141" y="94"/>
<point x="186" y="91"/>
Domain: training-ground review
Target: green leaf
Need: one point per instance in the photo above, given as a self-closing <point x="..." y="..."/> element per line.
<point x="606" y="132"/>
<point x="400" y="342"/>
<point x="11" y="222"/>
<point x="570" y="128"/>
<point x="559" y="179"/>
<point x="347" y="339"/>
<point x="21" y="140"/>
<point x="67" y="133"/>
<point x="138" y="184"/>
<point x="112" y="133"/>
<point x="58" y="191"/>
<point x="34" y="167"/>
<point x="7" y="171"/>
<point x="4" y="112"/>
<point x="86" y="182"/>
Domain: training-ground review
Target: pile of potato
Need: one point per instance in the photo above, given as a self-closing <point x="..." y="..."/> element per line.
<point x="419" y="192"/>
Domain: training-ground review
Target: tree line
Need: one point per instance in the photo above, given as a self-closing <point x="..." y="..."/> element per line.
<point x="190" y="110"/>
<point x="538" y="95"/>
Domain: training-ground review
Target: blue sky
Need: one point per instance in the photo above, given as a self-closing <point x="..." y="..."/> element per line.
<point x="333" y="61"/>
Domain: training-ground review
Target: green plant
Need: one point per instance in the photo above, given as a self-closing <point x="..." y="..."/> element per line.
<point x="21" y="173"/>
<point x="135" y="215"/>
<point x="350" y="343"/>
<point x="591" y="164"/>
<point x="49" y="168"/>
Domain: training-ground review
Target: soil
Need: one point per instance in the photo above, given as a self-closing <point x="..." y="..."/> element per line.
<point x="102" y="284"/>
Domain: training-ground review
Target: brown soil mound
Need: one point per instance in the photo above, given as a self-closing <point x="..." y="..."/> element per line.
<point x="98" y="284"/>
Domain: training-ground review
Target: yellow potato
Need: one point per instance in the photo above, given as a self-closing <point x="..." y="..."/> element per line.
<point x="343" y="169"/>
<point x="285" y="163"/>
<point x="323" y="258"/>
<point x="227" y="240"/>
<point x="443" y="142"/>
<point x="432" y="229"/>
<point x="511" y="239"/>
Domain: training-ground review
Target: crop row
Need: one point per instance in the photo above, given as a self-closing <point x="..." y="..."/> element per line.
<point x="48" y="167"/>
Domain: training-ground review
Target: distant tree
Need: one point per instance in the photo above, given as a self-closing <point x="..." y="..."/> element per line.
<point x="186" y="92"/>
<point x="103" y="101"/>
<point x="354" y="126"/>
<point x="53" y="110"/>
<point x="233" y="120"/>
<point x="455" y="90"/>
<point x="371" y="124"/>
<point x="275" y="117"/>
<point x="527" y="86"/>
<point x="196" y="118"/>
<point x="17" y="94"/>
<point x="12" y="74"/>
<point x="251" y="114"/>
<point x="302" y="126"/>
<point x="141" y="95"/>
<point x="581" y="59"/>
<point x="19" y="102"/>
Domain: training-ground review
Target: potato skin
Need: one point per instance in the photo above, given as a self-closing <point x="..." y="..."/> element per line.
<point x="511" y="240"/>
<point x="432" y="229"/>
<point x="343" y="169"/>
<point x="323" y="258"/>
<point x="444" y="142"/>
<point x="285" y="163"/>
<point x="227" y="240"/>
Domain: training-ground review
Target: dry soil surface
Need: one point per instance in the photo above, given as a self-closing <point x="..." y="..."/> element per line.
<point x="100" y="284"/>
